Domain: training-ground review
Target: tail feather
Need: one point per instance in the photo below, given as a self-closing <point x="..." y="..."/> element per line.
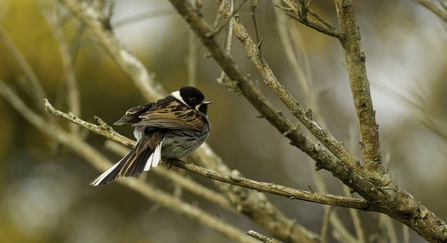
<point x="110" y="174"/>
<point x="145" y="155"/>
<point x="154" y="159"/>
<point x="135" y="163"/>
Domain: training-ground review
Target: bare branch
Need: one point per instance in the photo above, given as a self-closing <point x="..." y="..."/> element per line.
<point x="406" y="234"/>
<point x="191" y="62"/>
<point x="38" y="92"/>
<point x="355" y="62"/>
<point x="299" y="13"/>
<point x="146" y="15"/>
<point x="275" y="188"/>
<point x="223" y="79"/>
<point x="316" y="26"/>
<point x="433" y="8"/>
<point x="253" y="6"/>
<point x="125" y="59"/>
<point x="70" y="81"/>
<point x="322" y="20"/>
<point x="260" y="237"/>
<point x="426" y="109"/>
<point x="103" y="129"/>
<point x="296" y="55"/>
<point x="325" y="224"/>
<point x="356" y="221"/>
<point x="231" y="15"/>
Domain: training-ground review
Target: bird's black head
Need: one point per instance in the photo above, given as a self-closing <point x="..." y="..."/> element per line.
<point x="194" y="98"/>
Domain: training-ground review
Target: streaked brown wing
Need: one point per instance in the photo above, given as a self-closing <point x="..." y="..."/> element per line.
<point x="178" y="117"/>
<point x="133" y="114"/>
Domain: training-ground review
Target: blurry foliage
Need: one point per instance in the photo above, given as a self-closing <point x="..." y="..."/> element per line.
<point x="45" y="196"/>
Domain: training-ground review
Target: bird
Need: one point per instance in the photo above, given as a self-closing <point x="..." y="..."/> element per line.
<point x="171" y="127"/>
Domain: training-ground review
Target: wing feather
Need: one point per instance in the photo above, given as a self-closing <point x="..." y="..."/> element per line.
<point x="167" y="113"/>
<point x="180" y="117"/>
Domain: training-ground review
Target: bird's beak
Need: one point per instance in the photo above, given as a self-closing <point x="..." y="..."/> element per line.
<point x="207" y="101"/>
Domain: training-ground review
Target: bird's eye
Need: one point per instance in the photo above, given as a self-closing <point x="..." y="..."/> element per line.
<point x="192" y="100"/>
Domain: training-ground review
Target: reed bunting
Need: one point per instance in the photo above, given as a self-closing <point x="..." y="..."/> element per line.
<point x="172" y="127"/>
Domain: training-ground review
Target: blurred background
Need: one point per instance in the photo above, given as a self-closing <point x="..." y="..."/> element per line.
<point x="44" y="193"/>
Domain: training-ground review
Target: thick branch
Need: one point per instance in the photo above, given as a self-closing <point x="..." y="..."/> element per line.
<point x="396" y="202"/>
<point x="355" y="62"/>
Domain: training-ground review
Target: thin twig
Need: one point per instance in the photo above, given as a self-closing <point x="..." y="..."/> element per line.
<point x="231" y="15"/>
<point x="325" y="224"/>
<point x="316" y="26"/>
<point x="321" y="19"/>
<point x="124" y="58"/>
<point x="355" y="215"/>
<point x="260" y="237"/>
<point x="220" y="12"/>
<point x="426" y="109"/>
<point x="34" y="85"/>
<point x="356" y="220"/>
<point x="253" y="6"/>
<point x="191" y="63"/>
<point x="223" y="79"/>
<point x="405" y="234"/>
<point x="103" y="129"/>
<point x="296" y="55"/>
<point x="70" y="81"/>
<point x="338" y="224"/>
<point x="301" y="16"/>
<point x="143" y="16"/>
<point x="276" y="189"/>
<point x="434" y="9"/>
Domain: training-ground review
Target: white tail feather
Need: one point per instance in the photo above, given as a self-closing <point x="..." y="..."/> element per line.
<point x="98" y="180"/>
<point x="154" y="159"/>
